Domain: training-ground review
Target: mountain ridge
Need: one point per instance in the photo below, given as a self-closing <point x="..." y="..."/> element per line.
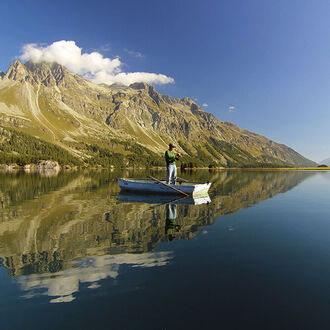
<point x="325" y="162"/>
<point x="49" y="102"/>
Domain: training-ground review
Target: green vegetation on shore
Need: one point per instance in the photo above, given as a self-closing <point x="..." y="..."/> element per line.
<point x="20" y="148"/>
<point x="135" y="155"/>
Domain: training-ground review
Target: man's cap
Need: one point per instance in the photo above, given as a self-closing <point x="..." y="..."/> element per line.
<point x="172" y="145"/>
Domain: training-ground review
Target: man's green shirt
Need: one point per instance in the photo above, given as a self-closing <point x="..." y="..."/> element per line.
<point x="169" y="157"/>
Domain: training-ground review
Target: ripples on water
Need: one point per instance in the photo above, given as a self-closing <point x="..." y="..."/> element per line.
<point x="73" y="238"/>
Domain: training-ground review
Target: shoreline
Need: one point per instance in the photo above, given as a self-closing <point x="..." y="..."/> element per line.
<point x="283" y="168"/>
<point x="54" y="166"/>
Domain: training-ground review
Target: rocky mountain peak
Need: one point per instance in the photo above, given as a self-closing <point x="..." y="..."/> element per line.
<point x="49" y="74"/>
<point x="187" y="100"/>
<point x="115" y="86"/>
<point x="17" y="71"/>
<point x="144" y="87"/>
<point x="148" y="90"/>
<point x="58" y="72"/>
<point x="139" y="85"/>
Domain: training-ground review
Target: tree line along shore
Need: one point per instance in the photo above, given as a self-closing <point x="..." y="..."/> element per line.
<point x="22" y="151"/>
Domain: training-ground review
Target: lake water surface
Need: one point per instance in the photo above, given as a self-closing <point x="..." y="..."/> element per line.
<point x="76" y="253"/>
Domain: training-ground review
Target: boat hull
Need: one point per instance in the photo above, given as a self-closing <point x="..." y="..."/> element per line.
<point x="151" y="186"/>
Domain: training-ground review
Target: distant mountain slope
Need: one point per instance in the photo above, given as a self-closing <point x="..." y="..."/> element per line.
<point x="325" y="162"/>
<point x="98" y="121"/>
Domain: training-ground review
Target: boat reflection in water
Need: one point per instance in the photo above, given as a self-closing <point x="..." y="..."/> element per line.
<point x="172" y="224"/>
<point x="162" y="199"/>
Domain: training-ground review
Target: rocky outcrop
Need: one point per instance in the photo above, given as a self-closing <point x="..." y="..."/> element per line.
<point x="47" y="164"/>
<point x="17" y="72"/>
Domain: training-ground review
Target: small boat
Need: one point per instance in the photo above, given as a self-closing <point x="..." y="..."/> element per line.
<point x="131" y="197"/>
<point x="160" y="187"/>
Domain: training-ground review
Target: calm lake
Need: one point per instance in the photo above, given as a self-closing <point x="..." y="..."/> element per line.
<point x="75" y="253"/>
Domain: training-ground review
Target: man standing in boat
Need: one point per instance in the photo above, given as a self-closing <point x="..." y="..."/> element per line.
<point x="171" y="157"/>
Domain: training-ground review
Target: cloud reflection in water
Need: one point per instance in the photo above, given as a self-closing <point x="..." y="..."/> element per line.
<point x="62" y="285"/>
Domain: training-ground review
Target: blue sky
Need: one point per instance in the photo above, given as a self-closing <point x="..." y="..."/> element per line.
<point x="268" y="60"/>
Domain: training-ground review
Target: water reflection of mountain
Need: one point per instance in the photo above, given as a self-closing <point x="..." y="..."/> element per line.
<point x="47" y="222"/>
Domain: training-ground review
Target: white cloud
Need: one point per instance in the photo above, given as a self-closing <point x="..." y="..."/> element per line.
<point x="205" y="105"/>
<point x="92" y="66"/>
<point x="134" y="53"/>
<point x="231" y="108"/>
<point x="103" y="49"/>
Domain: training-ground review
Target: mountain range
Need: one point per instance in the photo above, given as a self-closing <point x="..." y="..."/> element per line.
<point x="46" y="109"/>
